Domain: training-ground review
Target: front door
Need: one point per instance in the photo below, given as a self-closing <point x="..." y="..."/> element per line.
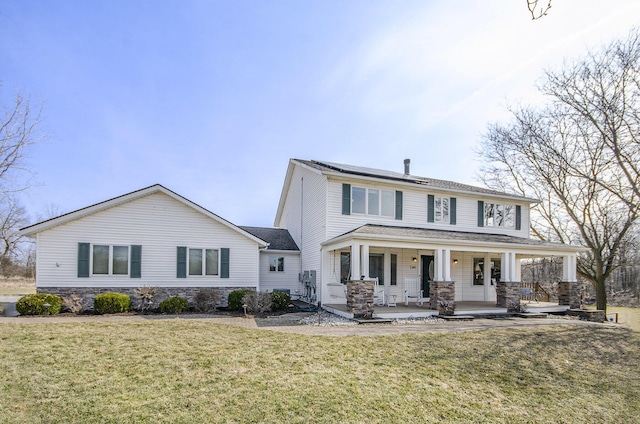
<point x="427" y="264"/>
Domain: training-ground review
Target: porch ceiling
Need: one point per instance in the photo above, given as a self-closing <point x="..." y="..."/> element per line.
<point x="456" y="239"/>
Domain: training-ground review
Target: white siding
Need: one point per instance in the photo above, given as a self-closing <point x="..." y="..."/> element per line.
<point x="287" y="279"/>
<point x="304" y="215"/>
<point x="159" y="224"/>
<point x="414" y="212"/>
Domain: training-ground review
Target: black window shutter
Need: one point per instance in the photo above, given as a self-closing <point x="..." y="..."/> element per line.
<point x="182" y="262"/>
<point x="430" y="208"/>
<point x="452" y="211"/>
<point x="83" y="260"/>
<point x="224" y="262"/>
<point x="399" y="205"/>
<point x="346" y="199"/>
<point x="136" y="261"/>
<point x="518" y="217"/>
<point x="480" y="213"/>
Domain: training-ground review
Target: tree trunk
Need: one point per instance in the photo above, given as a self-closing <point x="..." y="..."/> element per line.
<point x="601" y="294"/>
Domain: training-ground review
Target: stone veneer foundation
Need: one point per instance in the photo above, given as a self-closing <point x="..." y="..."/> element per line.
<point x="162" y="293"/>
<point x="360" y="298"/>
<point x="441" y="290"/>
<point x="508" y="295"/>
<point x="569" y="294"/>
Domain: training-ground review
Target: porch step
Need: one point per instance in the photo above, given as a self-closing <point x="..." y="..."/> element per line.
<point x="373" y="321"/>
<point x="531" y="315"/>
<point x="456" y="317"/>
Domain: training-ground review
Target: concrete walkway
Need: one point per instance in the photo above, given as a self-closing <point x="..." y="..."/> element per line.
<point x="288" y="323"/>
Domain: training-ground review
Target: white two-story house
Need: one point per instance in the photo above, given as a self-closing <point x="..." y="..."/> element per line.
<point x="352" y="222"/>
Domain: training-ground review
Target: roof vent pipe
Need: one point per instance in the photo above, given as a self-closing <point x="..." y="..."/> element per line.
<point x="407" y="163"/>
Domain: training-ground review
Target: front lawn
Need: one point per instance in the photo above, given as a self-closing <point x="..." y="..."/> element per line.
<point x="195" y="372"/>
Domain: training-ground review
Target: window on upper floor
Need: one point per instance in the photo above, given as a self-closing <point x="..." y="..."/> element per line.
<point x="372" y="201"/>
<point x="499" y="215"/>
<point x="441" y="209"/>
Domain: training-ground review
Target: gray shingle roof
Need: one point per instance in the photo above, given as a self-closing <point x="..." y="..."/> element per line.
<point x="431" y="234"/>
<point x="278" y="238"/>
<point x="396" y="176"/>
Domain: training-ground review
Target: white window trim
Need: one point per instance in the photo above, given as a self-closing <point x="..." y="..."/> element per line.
<point x="441" y="209"/>
<point x="381" y="192"/>
<point x="203" y="251"/>
<point x="503" y="224"/>
<point x="277" y="260"/>
<point x="109" y="260"/>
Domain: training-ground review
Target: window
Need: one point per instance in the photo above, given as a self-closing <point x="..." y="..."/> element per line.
<point x="276" y="263"/>
<point x="359" y="200"/>
<point x="199" y="267"/>
<point x="195" y="262"/>
<point x="441" y="209"/>
<point x="373" y="201"/>
<point x="498" y="215"/>
<point x="345" y="267"/>
<point x="394" y="270"/>
<point x="479" y="270"/>
<point x="376" y="267"/>
<point x="110" y="260"/>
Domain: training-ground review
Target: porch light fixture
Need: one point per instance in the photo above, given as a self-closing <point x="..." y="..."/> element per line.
<point x="455" y="261"/>
<point x="414" y="260"/>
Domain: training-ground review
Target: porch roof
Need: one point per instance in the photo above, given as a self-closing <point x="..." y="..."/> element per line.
<point x="444" y="237"/>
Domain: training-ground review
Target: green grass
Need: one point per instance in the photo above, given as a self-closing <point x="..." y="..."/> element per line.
<point x="194" y="372"/>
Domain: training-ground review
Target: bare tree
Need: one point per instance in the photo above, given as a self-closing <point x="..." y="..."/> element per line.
<point x="19" y="129"/>
<point x="580" y="155"/>
<point x="13" y="216"/>
<point x="538" y="10"/>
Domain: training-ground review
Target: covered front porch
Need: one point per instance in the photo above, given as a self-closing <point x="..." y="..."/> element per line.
<point x="462" y="308"/>
<point x="415" y="270"/>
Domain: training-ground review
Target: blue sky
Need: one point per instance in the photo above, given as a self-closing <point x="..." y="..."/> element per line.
<point x="212" y="98"/>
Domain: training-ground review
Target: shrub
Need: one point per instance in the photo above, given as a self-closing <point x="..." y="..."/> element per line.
<point x="280" y="301"/>
<point x="174" y="305"/>
<point x="111" y="303"/>
<point x="257" y="303"/>
<point x="33" y="304"/>
<point x="235" y="299"/>
<point x="74" y="304"/>
<point x="145" y="294"/>
<point x="206" y="300"/>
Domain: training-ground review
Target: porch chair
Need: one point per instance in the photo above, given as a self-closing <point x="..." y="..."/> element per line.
<point x="378" y="293"/>
<point x="412" y="291"/>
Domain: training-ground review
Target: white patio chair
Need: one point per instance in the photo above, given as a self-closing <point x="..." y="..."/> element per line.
<point x="412" y="291"/>
<point x="378" y="293"/>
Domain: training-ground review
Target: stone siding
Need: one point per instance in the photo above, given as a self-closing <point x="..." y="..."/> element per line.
<point x="162" y="293"/>
<point x="569" y="294"/>
<point x="508" y="295"/>
<point x="442" y="291"/>
<point x="360" y="298"/>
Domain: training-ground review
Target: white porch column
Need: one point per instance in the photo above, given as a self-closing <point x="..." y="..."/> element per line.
<point x="442" y="265"/>
<point x="364" y="260"/>
<point x="569" y="273"/>
<point x="487" y="277"/>
<point x="508" y="267"/>
<point x="355" y="261"/>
